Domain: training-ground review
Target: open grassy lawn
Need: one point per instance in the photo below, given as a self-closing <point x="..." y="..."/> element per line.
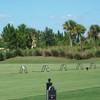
<point x="70" y="85"/>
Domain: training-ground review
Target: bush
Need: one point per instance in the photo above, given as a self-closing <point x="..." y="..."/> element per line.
<point x="55" y="53"/>
<point x="18" y="52"/>
<point x="30" y="53"/>
<point x="47" y="53"/>
<point x="85" y="56"/>
<point x="9" y="54"/>
<point x="61" y="53"/>
<point x="27" y="52"/>
<point x="90" y="55"/>
<point x="97" y="53"/>
<point x="37" y="52"/>
<point x="69" y="55"/>
<point x="77" y="56"/>
<point x="1" y="56"/>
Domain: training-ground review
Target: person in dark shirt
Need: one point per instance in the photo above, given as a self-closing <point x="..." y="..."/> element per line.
<point x="49" y="83"/>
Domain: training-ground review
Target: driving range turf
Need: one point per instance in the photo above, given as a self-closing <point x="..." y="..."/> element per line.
<point x="70" y="85"/>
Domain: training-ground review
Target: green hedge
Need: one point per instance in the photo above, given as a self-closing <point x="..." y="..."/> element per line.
<point x="55" y="51"/>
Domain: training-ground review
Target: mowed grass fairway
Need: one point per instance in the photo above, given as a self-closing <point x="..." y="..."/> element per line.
<point x="70" y="85"/>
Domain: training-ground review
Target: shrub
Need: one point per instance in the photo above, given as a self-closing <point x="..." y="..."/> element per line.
<point x="1" y="56"/>
<point x="89" y="55"/>
<point x="30" y="53"/>
<point x="84" y="56"/>
<point x="97" y="53"/>
<point x="55" y="53"/>
<point x="18" y="52"/>
<point x="69" y="55"/>
<point x="27" y="52"/>
<point x="61" y="53"/>
<point x="78" y="56"/>
<point x="9" y="54"/>
<point x="47" y="53"/>
<point x="37" y="52"/>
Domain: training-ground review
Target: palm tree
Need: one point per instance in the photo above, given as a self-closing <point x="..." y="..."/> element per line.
<point x="69" y="26"/>
<point x="80" y="29"/>
<point x="93" y="32"/>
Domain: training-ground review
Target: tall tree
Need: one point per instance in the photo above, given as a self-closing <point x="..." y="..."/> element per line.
<point x="69" y="26"/>
<point x="9" y="36"/>
<point x="93" y="33"/>
<point x="26" y="36"/>
<point x="1" y="42"/>
<point x="47" y="37"/>
<point x="66" y="38"/>
<point x="22" y="39"/>
<point x="59" y="38"/>
<point x="80" y="29"/>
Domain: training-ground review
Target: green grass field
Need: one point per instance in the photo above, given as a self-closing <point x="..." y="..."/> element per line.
<point x="70" y="85"/>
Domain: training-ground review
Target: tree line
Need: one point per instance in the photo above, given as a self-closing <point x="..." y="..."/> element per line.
<point x="26" y="37"/>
